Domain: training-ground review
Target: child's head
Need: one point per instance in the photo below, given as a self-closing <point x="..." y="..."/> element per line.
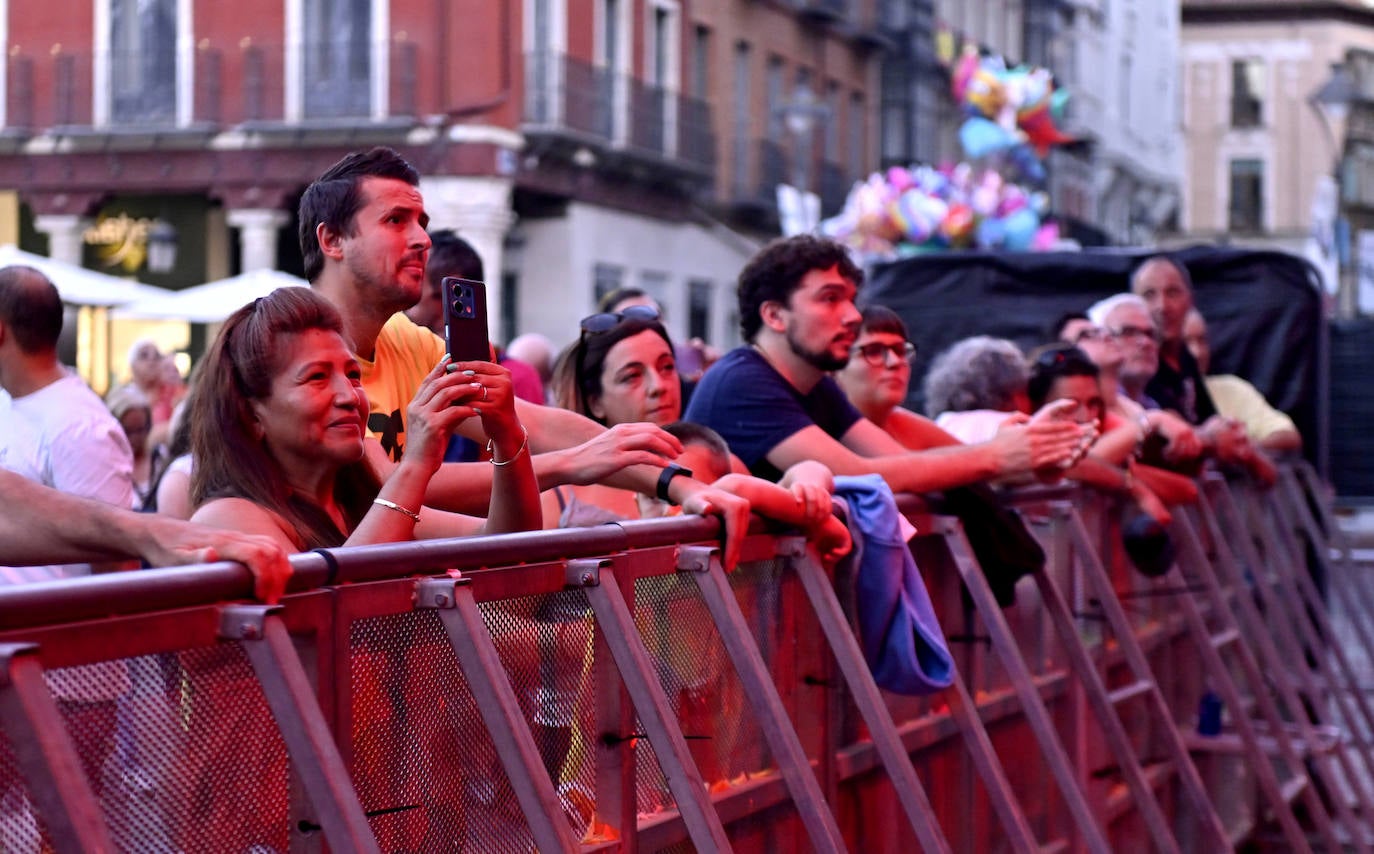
<point x="704" y="452"/>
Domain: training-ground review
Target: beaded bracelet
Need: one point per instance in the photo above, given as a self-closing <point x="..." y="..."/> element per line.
<point x="392" y="505"/>
<point x="524" y="446"/>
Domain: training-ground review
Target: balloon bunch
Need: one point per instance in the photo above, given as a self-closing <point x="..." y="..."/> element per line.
<point x="1012" y="114"/>
<point x="906" y="211"/>
<point x="986" y="202"/>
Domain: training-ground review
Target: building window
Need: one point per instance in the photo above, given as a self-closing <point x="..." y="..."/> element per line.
<point x="142" y="61"/>
<point x="614" y="66"/>
<point x="336" y="58"/>
<point x="740" y="148"/>
<point x="858" y="164"/>
<point x="1126" y="84"/>
<point x="701" y="63"/>
<point x="773" y="85"/>
<point x="833" y="103"/>
<point x="1247" y="93"/>
<point x="610" y="34"/>
<point x="542" y="70"/>
<point x="655" y="284"/>
<point x="1247" y="196"/>
<point x="699" y="309"/>
<point x="896" y="119"/>
<point x="605" y="278"/>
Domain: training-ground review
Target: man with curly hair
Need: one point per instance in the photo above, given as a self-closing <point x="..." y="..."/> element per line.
<point x="776" y="404"/>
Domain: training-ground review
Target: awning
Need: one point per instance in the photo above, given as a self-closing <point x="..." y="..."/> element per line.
<point x="211" y="302"/>
<point x="80" y="285"/>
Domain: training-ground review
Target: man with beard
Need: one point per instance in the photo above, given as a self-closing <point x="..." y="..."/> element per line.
<point x="776" y="405"/>
<point x="365" y="248"/>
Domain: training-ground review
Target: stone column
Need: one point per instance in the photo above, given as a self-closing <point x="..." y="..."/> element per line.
<point x="478" y="209"/>
<point x="64" y="235"/>
<point x="258" y="229"/>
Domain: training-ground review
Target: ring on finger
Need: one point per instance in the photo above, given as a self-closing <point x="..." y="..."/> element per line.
<point x="484" y="393"/>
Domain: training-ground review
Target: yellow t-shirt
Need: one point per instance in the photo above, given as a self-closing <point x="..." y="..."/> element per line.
<point x="405" y="354"/>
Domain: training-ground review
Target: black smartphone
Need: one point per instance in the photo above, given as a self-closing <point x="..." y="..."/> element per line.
<point x="465" y="319"/>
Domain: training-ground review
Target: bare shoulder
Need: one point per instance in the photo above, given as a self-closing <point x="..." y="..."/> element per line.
<point x="242" y="515"/>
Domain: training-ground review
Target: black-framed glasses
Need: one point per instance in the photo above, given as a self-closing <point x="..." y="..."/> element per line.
<point x="876" y="353"/>
<point x="605" y="321"/>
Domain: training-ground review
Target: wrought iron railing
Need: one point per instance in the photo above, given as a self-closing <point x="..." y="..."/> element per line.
<point x="570" y="96"/>
<point x="71" y="90"/>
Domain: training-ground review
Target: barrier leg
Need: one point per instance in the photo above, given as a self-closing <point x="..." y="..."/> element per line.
<point x="840" y="638"/>
<point x="46" y="756"/>
<point x="491" y="691"/>
<point x="1279" y="794"/>
<point x="651" y="703"/>
<point x="704" y="564"/>
<point x="1279" y="650"/>
<point x="1143" y="686"/>
<point x="1023" y="683"/>
<point x="1307" y="611"/>
<point x="297" y="712"/>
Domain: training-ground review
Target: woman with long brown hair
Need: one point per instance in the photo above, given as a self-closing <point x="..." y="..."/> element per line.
<point x="277" y="429"/>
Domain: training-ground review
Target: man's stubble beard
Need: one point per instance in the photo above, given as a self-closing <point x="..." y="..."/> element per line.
<point x="820" y="360"/>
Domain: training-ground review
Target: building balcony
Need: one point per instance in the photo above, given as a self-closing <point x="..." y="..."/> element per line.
<point x="585" y="105"/>
<point x="824" y="11"/>
<point x="70" y="92"/>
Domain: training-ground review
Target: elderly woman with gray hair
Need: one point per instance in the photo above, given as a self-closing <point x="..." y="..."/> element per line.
<point x="977" y="386"/>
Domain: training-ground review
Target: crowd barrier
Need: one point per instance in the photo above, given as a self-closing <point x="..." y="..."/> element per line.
<point x="613" y="688"/>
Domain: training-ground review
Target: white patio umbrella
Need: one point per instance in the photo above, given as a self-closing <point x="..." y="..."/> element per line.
<point x="79" y="285"/>
<point x="211" y="302"/>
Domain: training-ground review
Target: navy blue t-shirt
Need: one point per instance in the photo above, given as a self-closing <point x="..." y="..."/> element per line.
<point x="748" y="403"/>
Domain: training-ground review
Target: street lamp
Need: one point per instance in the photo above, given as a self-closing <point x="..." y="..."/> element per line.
<point x="1331" y="102"/>
<point x="800" y="115"/>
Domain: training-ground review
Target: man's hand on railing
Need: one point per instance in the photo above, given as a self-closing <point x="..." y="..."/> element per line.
<point x="172" y="542"/>
<point x="832" y="541"/>
<point x="709" y="501"/>
<point x="1024" y="445"/>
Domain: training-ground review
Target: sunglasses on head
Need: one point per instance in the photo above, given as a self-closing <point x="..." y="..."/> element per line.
<point x="605" y="321"/>
<point x="1059" y="358"/>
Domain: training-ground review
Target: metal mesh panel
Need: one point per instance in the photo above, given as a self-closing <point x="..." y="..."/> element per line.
<point x="546" y="645"/>
<point x="180" y="750"/>
<point x="424" y="765"/>
<point x="21" y="829"/>
<point x="724" y="737"/>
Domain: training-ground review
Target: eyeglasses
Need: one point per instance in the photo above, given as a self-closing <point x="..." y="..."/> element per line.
<point x="605" y="321"/>
<point x="875" y="353"/>
<point x="1092" y="333"/>
<point x="1140" y="332"/>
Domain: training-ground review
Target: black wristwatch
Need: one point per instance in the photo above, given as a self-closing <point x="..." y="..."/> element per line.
<point x="665" y="477"/>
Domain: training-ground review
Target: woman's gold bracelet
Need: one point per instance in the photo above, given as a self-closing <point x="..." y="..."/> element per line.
<point x="524" y="446"/>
